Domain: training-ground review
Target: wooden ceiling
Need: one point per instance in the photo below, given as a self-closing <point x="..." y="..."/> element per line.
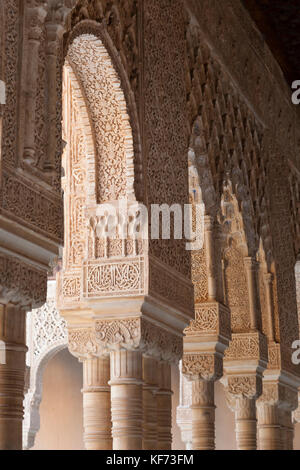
<point x="279" y="22"/>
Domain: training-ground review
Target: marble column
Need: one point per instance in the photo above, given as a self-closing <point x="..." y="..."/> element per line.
<point x="127" y="399"/>
<point x="203" y="415"/>
<point x="12" y="375"/>
<point x="96" y="404"/>
<point x="251" y="267"/>
<point x="287" y="430"/>
<point x="268" y="280"/>
<point x="269" y="432"/>
<point x="245" y="422"/>
<point x="164" y="407"/>
<point x="210" y="257"/>
<point x="150" y="388"/>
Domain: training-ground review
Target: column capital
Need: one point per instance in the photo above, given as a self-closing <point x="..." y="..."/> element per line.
<point x="130" y="334"/>
<point x="240" y="387"/>
<point x="279" y="394"/>
<point x="206" y="367"/>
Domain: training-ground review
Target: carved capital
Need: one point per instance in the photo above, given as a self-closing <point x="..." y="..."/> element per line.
<point x="133" y="334"/>
<point x="282" y="395"/>
<point x="207" y="367"/>
<point x="249" y="387"/>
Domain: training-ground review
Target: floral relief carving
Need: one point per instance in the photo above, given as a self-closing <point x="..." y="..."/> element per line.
<point x="46" y="333"/>
<point x="202" y="366"/>
<point x="21" y="283"/>
<point x="131" y="333"/>
<point x="245" y="386"/>
<point x="111" y="125"/>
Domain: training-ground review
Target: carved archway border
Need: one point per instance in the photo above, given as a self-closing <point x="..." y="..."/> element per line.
<point x="46" y="336"/>
<point x="87" y="128"/>
<point x="31" y="423"/>
<point x="134" y="153"/>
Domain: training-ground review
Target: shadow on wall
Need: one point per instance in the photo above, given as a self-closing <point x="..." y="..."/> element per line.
<point x="61" y="407"/>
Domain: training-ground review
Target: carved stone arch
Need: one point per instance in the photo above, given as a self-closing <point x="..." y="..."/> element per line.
<point x="109" y="57"/>
<point x="72" y="86"/>
<point x="46" y="336"/>
<point x="107" y="108"/>
<point x="33" y="398"/>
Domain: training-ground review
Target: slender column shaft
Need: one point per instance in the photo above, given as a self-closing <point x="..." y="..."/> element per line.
<point x="96" y="404"/>
<point x="269" y="433"/>
<point x="126" y="400"/>
<point x="209" y="251"/>
<point x="268" y="284"/>
<point x="251" y="271"/>
<point x="164" y="407"/>
<point x="203" y="415"/>
<point x="150" y="403"/>
<point x="12" y="376"/>
<point x="287" y="430"/>
<point x="245" y="420"/>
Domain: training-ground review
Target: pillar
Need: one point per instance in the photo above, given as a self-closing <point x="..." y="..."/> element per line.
<point x="268" y="280"/>
<point x="96" y="404"/>
<point x="210" y="257"/>
<point x="251" y="267"/>
<point x="287" y="430"/>
<point x="164" y="407"/>
<point x="126" y="400"/>
<point x="269" y="433"/>
<point x="203" y="415"/>
<point x="245" y="421"/>
<point x="12" y="375"/>
<point x="150" y="388"/>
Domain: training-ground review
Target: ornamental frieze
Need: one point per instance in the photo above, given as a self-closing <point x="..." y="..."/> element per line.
<point x="22" y="283"/>
<point x="120" y="278"/>
<point x="247" y="346"/>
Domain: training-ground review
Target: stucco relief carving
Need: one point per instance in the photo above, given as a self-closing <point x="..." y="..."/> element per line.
<point x="247" y="346"/>
<point x="21" y="283"/>
<point x="113" y="135"/>
<point x="245" y="386"/>
<point x="121" y="23"/>
<point x="46" y="335"/>
<point x="202" y="366"/>
<point x="130" y="334"/>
